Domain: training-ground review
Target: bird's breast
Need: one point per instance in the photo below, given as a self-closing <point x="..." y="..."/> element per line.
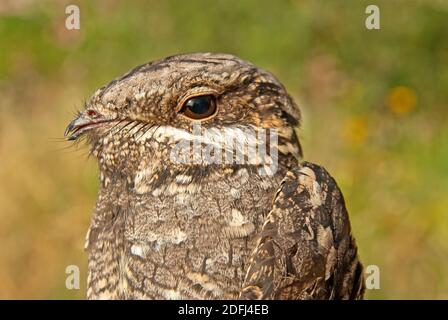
<point x="193" y="245"/>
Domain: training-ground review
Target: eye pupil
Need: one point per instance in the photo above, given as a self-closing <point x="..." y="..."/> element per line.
<point x="91" y="113"/>
<point x="199" y="107"/>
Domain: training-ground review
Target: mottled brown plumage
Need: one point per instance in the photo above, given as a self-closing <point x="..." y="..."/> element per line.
<point x="168" y="230"/>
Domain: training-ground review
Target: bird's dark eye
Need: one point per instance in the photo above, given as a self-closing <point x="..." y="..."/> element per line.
<point x="199" y="107"/>
<point x="92" y="113"/>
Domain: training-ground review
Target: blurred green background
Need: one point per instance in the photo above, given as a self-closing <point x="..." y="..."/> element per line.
<point x="375" y="106"/>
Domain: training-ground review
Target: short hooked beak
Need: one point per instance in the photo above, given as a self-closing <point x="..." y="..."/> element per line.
<point x="82" y="124"/>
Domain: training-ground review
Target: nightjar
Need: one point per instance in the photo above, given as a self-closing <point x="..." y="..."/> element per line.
<point x="203" y="190"/>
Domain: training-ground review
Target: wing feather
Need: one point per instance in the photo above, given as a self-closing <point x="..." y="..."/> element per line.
<point x="306" y="249"/>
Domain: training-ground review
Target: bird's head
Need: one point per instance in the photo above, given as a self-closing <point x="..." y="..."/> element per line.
<point x="138" y="119"/>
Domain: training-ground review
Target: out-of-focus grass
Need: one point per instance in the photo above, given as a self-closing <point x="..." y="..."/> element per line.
<point x="375" y="106"/>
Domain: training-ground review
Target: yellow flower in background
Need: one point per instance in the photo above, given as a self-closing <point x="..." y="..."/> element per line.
<point x="356" y="130"/>
<point x="401" y="100"/>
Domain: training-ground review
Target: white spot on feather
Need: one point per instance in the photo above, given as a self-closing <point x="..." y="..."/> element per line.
<point x="177" y="237"/>
<point x="237" y="219"/>
<point x="139" y="250"/>
<point x="244" y="175"/>
<point x="141" y="180"/>
<point x="205" y="282"/>
<point x="308" y="172"/>
<point x="184" y="179"/>
<point x="308" y="180"/>
<point x="235" y="193"/>
<point x="140" y="96"/>
<point x="172" y="294"/>
<point x="173" y="236"/>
